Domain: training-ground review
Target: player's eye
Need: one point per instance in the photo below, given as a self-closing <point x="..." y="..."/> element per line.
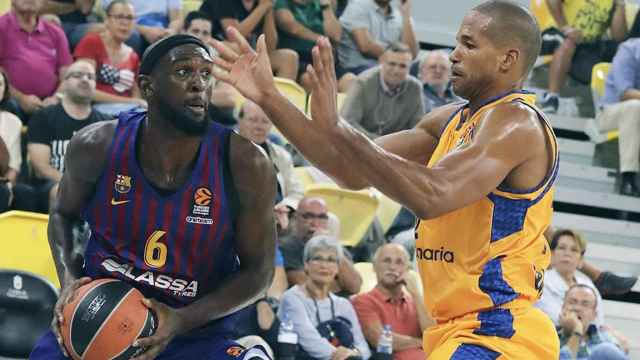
<point x="181" y="72"/>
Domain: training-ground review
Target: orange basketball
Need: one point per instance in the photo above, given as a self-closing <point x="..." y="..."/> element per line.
<point x="104" y="320"/>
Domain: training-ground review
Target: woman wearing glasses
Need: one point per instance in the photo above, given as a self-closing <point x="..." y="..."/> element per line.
<point x="116" y="63"/>
<point x="327" y="325"/>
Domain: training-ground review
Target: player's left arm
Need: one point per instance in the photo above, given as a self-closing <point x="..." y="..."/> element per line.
<point x="255" y="239"/>
<point x="507" y="137"/>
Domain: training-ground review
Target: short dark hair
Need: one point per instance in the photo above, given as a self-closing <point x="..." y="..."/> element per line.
<point x="109" y="7"/>
<point x="5" y="96"/>
<point x="512" y="24"/>
<point x="195" y="15"/>
<point x="568" y="232"/>
<point x="398" y="47"/>
<point x="583" y="286"/>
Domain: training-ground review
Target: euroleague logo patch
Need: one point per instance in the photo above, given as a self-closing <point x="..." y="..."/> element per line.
<point x="201" y="212"/>
<point x="235" y="351"/>
<point x="202" y="196"/>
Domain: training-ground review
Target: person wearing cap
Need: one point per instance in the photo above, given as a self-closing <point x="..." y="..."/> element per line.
<point x="184" y="204"/>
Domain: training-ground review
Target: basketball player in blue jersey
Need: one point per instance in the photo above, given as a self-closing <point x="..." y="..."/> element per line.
<point x="478" y="174"/>
<point x="179" y="207"/>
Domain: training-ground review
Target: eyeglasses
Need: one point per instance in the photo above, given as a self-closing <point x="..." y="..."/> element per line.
<point x="127" y="18"/>
<point x="311" y="216"/>
<point x="80" y="75"/>
<point x="319" y="259"/>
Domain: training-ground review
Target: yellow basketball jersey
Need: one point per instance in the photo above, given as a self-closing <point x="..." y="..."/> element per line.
<point x="491" y="253"/>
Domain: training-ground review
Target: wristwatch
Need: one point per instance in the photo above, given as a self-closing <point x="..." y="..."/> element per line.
<point x="272" y="302"/>
<point x="325" y="6"/>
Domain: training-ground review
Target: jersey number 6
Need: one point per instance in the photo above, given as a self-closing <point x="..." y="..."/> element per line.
<point x="155" y="252"/>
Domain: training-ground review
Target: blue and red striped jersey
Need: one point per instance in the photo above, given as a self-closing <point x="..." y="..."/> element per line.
<point x="174" y="247"/>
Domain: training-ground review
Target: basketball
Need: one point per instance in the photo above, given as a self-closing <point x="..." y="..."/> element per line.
<point x="104" y="320"/>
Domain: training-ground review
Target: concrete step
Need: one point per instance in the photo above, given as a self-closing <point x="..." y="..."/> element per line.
<point x="624" y="317"/>
<point x="567" y="123"/>
<point x="601" y="230"/>
<point x="604" y="200"/>
<point x="580" y="152"/>
<point x="586" y="177"/>
<point x="621" y="260"/>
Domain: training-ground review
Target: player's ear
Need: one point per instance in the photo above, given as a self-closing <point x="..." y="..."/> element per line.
<point x="509" y="59"/>
<point x="146" y="86"/>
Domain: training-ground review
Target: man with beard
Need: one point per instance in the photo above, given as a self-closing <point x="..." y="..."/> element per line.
<point x="396" y="301"/>
<point x="480" y="175"/>
<point x="195" y="193"/>
<point x="52" y="127"/>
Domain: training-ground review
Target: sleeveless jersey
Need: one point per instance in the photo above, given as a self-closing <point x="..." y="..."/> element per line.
<point x="491" y="253"/>
<point x="175" y="247"/>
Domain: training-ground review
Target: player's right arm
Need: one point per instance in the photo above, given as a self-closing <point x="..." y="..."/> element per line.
<point x="84" y="161"/>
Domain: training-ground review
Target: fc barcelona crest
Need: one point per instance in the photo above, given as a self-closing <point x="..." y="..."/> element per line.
<point x="123" y="183"/>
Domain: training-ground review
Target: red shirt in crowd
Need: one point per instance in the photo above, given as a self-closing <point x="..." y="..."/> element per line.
<point x="401" y="314"/>
<point x="116" y="79"/>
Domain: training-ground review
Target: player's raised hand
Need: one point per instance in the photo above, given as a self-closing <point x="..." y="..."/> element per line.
<point x="324" y="88"/>
<point x="169" y="325"/>
<point x="247" y="70"/>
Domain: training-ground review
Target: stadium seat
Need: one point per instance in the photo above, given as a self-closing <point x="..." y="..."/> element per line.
<point x="190" y="5"/>
<point x="25" y="246"/>
<point x="26" y="309"/>
<point x="598" y="80"/>
<point x="294" y="92"/>
<point x="355" y="209"/>
<point x="339" y="102"/>
<point x="387" y="211"/>
<point x="303" y="176"/>
<point x="545" y="20"/>
<point x="631" y="10"/>
<point x="5" y="5"/>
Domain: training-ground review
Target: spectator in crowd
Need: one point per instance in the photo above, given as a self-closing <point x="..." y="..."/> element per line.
<point x="606" y="282"/>
<point x="583" y="25"/>
<point x="12" y="194"/>
<point x="310" y="219"/>
<point x="435" y="71"/>
<point x="52" y="127"/>
<point x="580" y="337"/>
<point x="300" y="24"/>
<point x="75" y="15"/>
<point x="116" y="63"/>
<point x="154" y="20"/>
<point x="385" y="99"/>
<point x="395" y="301"/>
<point x="223" y="96"/>
<point x="370" y="26"/>
<point x="621" y="110"/>
<point x="567" y="252"/>
<point x="34" y="54"/>
<point x="254" y="125"/>
<point x="252" y="18"/>
<point x="326" y="324"/>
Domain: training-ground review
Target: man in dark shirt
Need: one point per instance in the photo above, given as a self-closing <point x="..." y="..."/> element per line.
<point x="252" y="18"/>
<point x="52" y="127"/>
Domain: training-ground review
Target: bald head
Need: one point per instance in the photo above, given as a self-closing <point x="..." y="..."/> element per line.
<point x="512" y="26"/>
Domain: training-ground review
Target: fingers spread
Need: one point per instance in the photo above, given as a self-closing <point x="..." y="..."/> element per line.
<point x="236" y="37"/>
<point x="222" y="75"/>
<point x="224" y="51"/>
<point x="326" y="54"/>
<point x="218" y="61"/>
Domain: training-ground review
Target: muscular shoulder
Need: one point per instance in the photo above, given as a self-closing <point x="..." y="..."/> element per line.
<point x="88" y="150"/>
<point x="435" y="121"/>
<point x="253" y="171"/>
<point x="515" y="118"/>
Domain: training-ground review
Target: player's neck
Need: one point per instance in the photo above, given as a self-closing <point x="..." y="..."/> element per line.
<point x="476" y="102"/>
<point x="315" y="290"/>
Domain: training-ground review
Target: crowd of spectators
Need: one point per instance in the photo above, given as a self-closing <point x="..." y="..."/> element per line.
<point x="67" y="64"/>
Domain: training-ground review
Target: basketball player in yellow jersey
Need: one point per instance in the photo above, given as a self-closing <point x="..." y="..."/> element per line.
<point x="479" y="174"/>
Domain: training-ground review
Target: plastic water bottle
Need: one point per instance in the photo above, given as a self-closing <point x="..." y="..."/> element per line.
<point x="385" y="344"/>
<point x="287" y="340"/>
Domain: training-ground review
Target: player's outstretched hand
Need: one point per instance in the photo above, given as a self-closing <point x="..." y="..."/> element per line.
<point x="247" y="70"/>
<point x="324" y="88"/>
<point x="67" y="295"/>
<point x="169" y="325"/>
